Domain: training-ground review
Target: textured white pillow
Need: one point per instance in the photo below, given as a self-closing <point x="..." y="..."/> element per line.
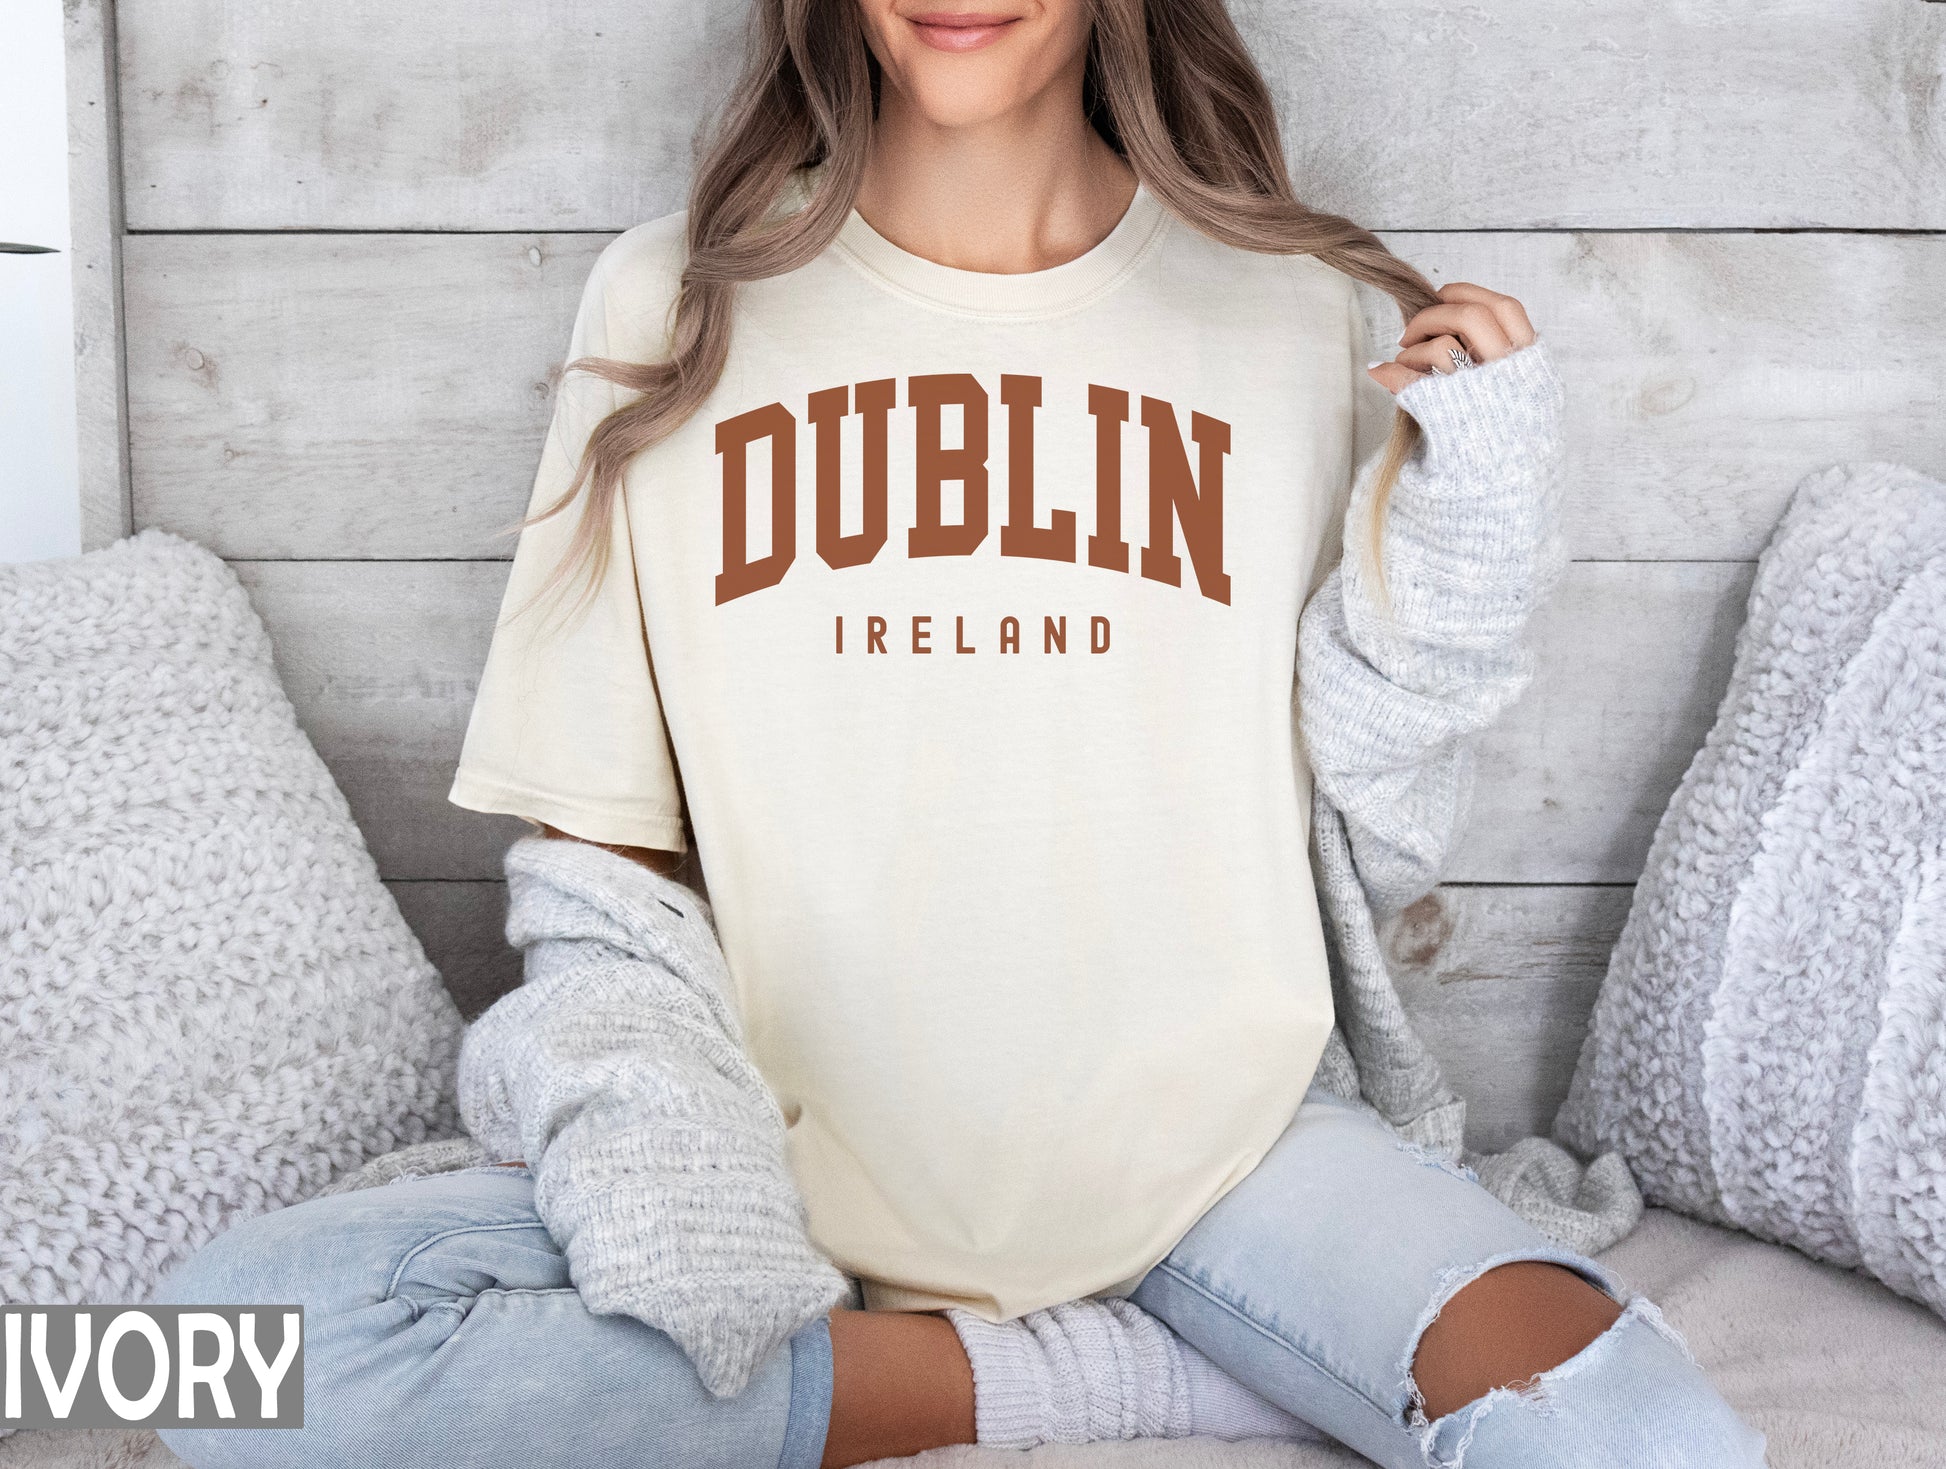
<point x="1769" y="1047"/>
<point x="209" y="1004"/>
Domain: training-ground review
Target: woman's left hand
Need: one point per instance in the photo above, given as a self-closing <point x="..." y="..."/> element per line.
<point x="1483" y="323"/>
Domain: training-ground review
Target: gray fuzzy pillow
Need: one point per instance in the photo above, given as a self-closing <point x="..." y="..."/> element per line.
<point x="1769" y="1047"/>
<point x="209" y="1004"/>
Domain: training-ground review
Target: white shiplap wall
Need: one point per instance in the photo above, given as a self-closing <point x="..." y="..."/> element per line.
<point x="356" y="234"/>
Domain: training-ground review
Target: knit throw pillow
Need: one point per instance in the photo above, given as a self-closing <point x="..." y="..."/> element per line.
<point x="209" y="1004"/>
<point x="1769" y="1047"/>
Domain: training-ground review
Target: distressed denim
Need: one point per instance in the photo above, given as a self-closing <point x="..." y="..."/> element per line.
<point x="441" y="1328"/>
<point x="1312" y="1280"/>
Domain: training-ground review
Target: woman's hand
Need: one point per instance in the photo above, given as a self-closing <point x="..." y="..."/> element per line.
<point x="1485" y="324"/>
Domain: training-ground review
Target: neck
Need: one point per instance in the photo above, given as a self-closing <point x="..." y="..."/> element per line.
<point x="1025" y="191"/>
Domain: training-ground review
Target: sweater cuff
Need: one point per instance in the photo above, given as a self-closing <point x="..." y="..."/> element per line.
<point x="604" y="880"/>
<point x="1494" y="404"/>
<point x="1472" y="526"/>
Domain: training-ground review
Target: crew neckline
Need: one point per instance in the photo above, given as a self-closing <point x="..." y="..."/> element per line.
<point x="1064" y="287"/>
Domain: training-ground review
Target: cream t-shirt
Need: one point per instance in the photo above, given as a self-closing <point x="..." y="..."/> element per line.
<point x="961" y="621"/>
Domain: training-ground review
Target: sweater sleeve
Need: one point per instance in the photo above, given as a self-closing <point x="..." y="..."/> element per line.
<point x="1393" y="683"/>
<point x="618" y="1071"/>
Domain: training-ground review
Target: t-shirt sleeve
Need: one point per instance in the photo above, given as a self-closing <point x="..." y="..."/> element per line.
<point x="566" y="727"/>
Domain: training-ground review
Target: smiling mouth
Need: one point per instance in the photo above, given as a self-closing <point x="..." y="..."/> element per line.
<point x="960" y="31"/>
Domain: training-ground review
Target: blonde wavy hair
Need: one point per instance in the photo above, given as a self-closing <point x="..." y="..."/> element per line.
<point x="1170" y="87"/>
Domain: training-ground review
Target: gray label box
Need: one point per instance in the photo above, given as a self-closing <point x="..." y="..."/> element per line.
<point x="151" y="1366"/>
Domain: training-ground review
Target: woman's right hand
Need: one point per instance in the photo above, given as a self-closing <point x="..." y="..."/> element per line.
<point x="1484" y="324"/>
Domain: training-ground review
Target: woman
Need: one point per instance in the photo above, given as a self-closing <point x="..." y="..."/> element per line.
<point x="998" y="793"/>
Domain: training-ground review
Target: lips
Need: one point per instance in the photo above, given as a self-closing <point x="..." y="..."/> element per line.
<point x="960" y="30"/>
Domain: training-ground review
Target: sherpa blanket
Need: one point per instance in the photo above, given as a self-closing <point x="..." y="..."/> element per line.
<point x="1769" y="1047"/>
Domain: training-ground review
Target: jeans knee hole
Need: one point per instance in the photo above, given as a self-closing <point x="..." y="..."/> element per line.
<point x="1532" y="1390"/>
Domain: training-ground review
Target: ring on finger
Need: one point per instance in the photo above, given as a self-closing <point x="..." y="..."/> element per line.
<point x="1461" y="358"/>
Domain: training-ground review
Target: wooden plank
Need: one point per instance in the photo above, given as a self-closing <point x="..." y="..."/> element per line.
<point x="1707" y="374"/>
<point x="494" y="114"/>
<point x="463" y="928"/>
<point x="1632" y="661"/>
<point x="1501" y="981"/>
<point x="95" y="234"/>
<point x="447" y="114"/>
<point x="345" y="396"/>
<point x="384" y="396"/>
<point x="381" y="660"/>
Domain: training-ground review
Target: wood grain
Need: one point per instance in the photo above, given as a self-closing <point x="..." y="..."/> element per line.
<point x="1404" y="114"/>
<point x="1632" y="661"/>
<point x="1707" y="373"/>
<point x="345" y="396"/>
<point x="380" y="660"/>
<point x="1500" y="981"/>
<point x="447" y="114"/>
<point x="370" y="396"/>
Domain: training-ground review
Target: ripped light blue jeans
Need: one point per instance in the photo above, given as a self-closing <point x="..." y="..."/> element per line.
<point x="1312" y="1280"/>
<point x="441" y="1328"/>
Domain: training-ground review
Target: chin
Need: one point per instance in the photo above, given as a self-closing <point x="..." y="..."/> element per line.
<point x="958" y="98"/>
<point x="993" y="71"/>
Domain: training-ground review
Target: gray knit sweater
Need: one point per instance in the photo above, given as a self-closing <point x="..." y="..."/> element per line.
<point x="1392" y="687"/>
<point x="618" y="1071"/>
